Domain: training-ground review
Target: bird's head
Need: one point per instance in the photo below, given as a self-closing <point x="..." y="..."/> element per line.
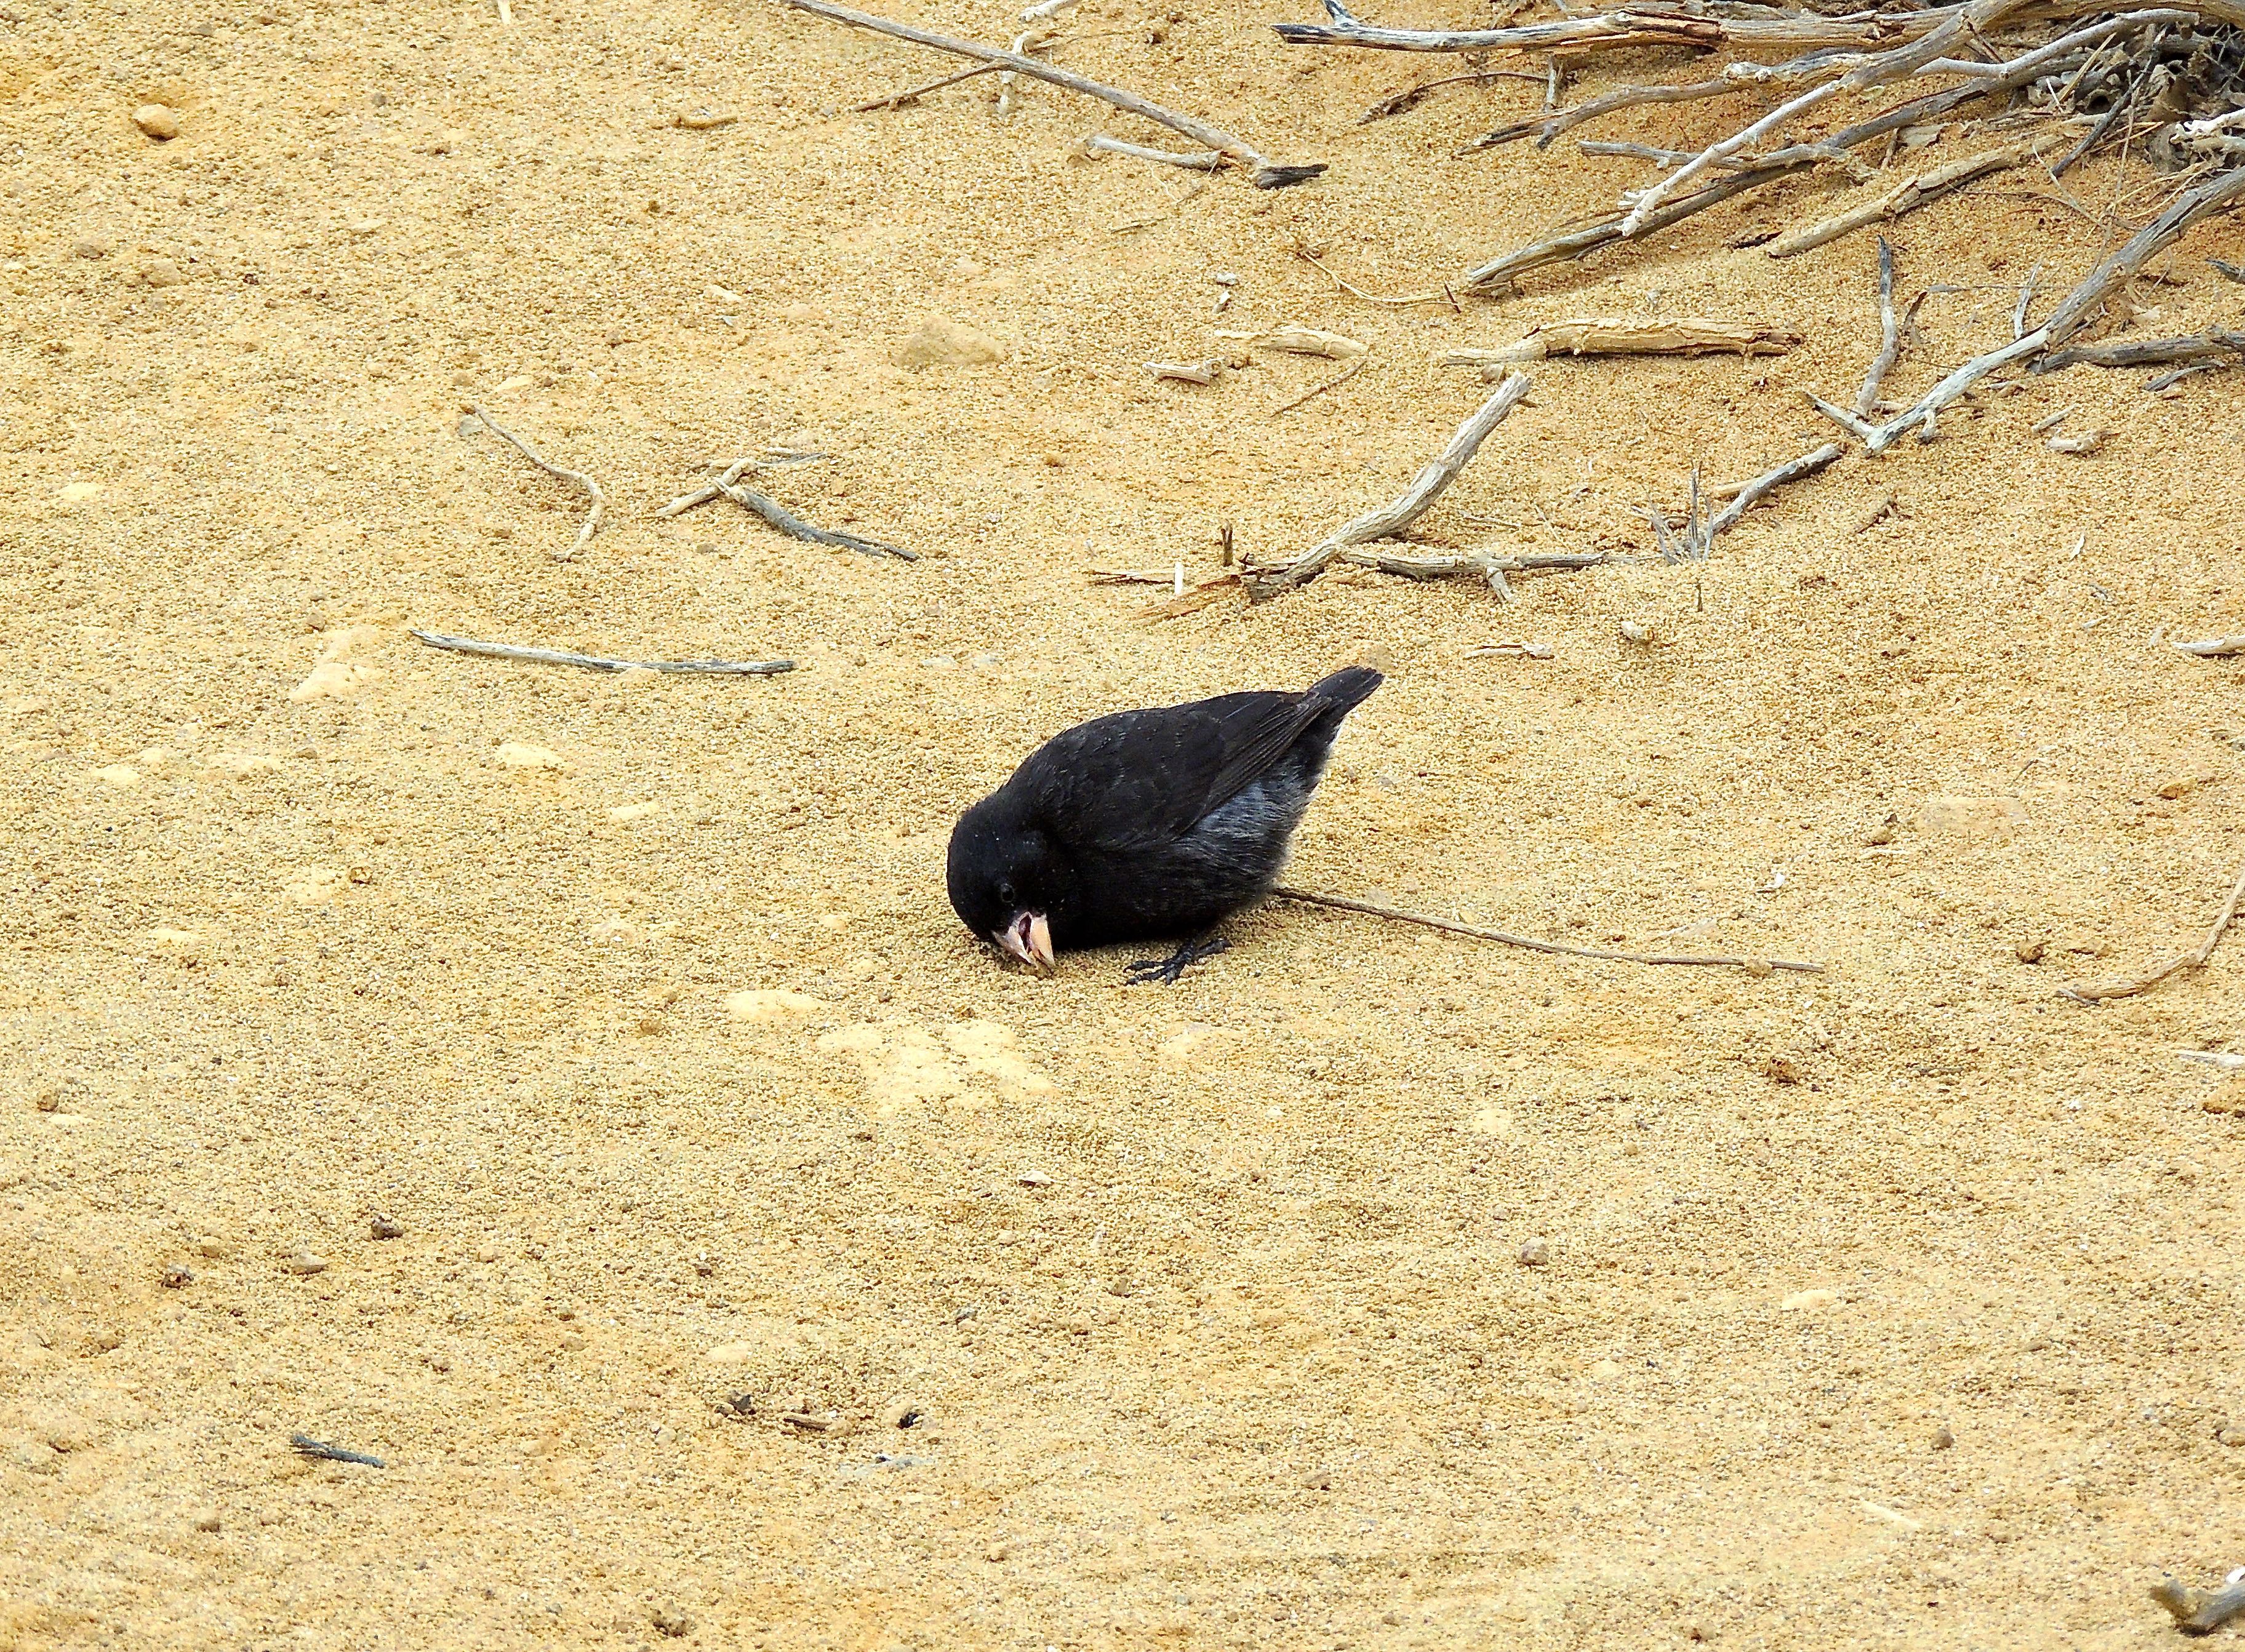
<point x="1004" y="875"/>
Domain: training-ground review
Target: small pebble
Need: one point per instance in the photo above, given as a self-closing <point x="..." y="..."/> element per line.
<point x="89" y="246"/>
<point x="386" y="1227"/>
<point x="486" y="1252"/>
<point x="211" y="1246"/>
<point x="1943" y="1440"/>
<point x="162" y="272"/>
<point x="1535" y="1254"/>
<point x="2029" y="951"/>
<point x="996" y="1552"/>
<point x="157" y="121"/>
<point x="304" y="1261"/>
<point x="206" y="1519"/>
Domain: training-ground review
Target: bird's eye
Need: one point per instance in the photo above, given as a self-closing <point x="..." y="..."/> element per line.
<point x="1005" y="893"/>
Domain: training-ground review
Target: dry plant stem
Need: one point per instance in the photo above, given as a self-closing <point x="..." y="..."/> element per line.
<point x="2083" y="992"/>
<point x="899" y="100"/>
<point x="1397" y="102"/>
<point x="1572" y="245"/>
<point x="1634" y="223"/>
<point x="1331" y="384"/>
<point x="1558" y="948"/>
<point x="2201" y="1611"/>
<point x="1911" y="194"/>
<point x="597" y="662"/>
<point x="1561" y="120"/>
<point x="796" y="528"/>
<point x="1754" y="491"/>
<point x="1265" y="174"/>
<point x="1198" y="160"/>
<point x="309" y="1447"/>
<point x="591" y="524"/>
<point x="1434" y="296"/>
<point x="1424" y="489"/>
<point x="2144" y="352"/>
<point x="2212" y="647"/>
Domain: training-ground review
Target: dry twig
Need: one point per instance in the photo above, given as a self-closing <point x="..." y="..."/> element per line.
<point x="1315" y="391"/>
<point x="1759" y="966"/>
<point x="1265" y="174"/>
<point x="307" y="1446"/>
<point x="591" y="524"/>
<point x="2084" y="992"/>
<point x="1392" y="518"/>
<point x="1751" y="493"/>
<point x="1912" y="193"/>
<point x="597" y="662"/>
<point x="2203" y="1611"/>
<point x="2212" y="647"/>
<point x="913" y="94"/>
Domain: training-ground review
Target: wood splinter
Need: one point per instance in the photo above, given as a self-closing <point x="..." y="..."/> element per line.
<point x="591" y="524"/>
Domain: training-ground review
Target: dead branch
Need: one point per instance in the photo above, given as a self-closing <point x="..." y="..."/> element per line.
<point x="2212" y="647"/>
<point x="796" y="528"/>
<point x="2079" y="305"/>
<point x="1912" y="193"/>
<point x="598" y="662"/>
<point x="1612" y="31"/>
<point x="592" y="523"/>
<point x="1752" y="965"/>
<point x="2201" y="1611"/>
<point x="2082" y="992"/>
<point x="1619" y="335"/>
<point x="1264" y="175"/>
<point x="1406" y="508"/>
<point x="2144" y="352"/>
<point x="1753" y="492"/>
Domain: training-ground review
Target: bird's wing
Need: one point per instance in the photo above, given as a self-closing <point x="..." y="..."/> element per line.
<point x="1142" y="776"/>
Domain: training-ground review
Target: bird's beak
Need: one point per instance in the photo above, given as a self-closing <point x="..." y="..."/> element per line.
<point x="1028" y="938"/>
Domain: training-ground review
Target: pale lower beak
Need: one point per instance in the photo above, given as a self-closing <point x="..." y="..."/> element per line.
<point x="1028" y="938"/>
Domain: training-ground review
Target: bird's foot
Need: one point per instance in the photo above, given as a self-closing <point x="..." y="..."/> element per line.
<point x="1166" y="970"/>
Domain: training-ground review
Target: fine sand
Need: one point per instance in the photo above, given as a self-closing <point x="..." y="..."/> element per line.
<point x="1897" y="1304"/>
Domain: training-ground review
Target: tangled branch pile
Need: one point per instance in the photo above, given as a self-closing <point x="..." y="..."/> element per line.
<point x="2062" y="81"/>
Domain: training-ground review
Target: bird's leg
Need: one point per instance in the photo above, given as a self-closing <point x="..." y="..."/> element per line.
<point x="1166" y="970"/>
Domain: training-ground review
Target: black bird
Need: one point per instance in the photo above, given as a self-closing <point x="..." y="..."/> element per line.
<point x="1147" y="824"/>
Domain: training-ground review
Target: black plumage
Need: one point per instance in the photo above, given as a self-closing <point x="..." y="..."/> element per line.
<point x="1146" y="824"/>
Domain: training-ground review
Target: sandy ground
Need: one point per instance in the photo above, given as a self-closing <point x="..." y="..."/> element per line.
<point x="1897" y="1304"/>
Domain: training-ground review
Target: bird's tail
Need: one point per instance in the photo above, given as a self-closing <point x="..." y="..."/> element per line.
<point x="1347" y="689"/>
